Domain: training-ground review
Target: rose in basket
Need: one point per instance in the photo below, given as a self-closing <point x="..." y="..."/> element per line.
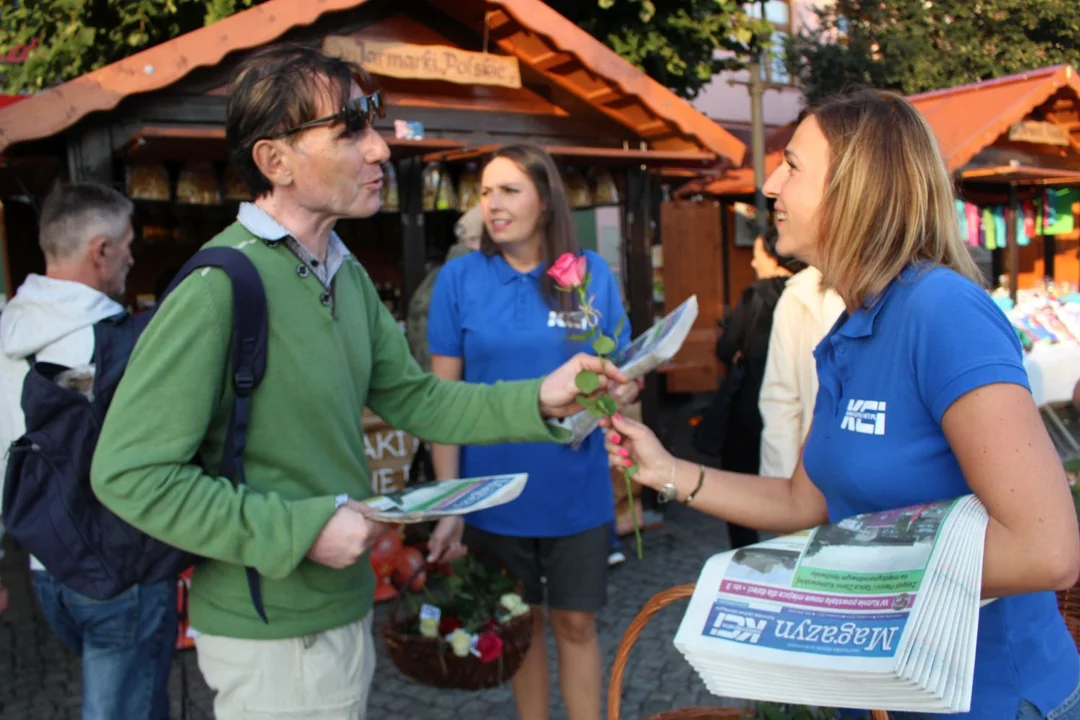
<point x="467" y="628"/>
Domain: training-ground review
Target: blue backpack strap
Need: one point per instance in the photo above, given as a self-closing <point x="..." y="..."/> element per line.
<point x="249" y="340"/>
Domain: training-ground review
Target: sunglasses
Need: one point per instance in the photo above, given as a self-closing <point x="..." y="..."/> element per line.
<point x="358" y="114"/>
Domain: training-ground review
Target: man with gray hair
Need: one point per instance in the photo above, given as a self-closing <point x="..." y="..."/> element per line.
<point x="126" y="642"/>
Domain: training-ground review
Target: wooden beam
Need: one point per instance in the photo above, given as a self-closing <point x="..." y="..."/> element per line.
<point x="413" y="245"/>
<point x="551" y="61"/>
<point x="603" y="96"/>
<point x="1073" y="142"/>
<point x="90" y="154"/>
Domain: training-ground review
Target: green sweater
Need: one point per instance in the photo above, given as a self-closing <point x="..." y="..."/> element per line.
<point x="167" y="423"/>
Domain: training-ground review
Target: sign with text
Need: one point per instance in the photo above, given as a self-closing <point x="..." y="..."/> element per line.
<point x="389" y="453"/>
<point x="1043" y="133"/>
<point x="426" y="62"/>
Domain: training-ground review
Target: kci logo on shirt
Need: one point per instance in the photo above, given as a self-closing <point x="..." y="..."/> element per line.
<point x="574" y="320"/>
<point x="865" y="416"/>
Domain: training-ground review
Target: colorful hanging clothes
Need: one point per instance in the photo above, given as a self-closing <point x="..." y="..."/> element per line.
<point x="1028" y="213"/>
<point x="961" y="219"/>
<point x="1059" y="210"/>
<point x="1001" y="231"/>
<point x="989" y="230"/>
<point x="1022" y="238"/>
<point x="974" y="234"/>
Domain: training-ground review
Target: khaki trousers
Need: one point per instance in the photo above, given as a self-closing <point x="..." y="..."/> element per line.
<point x="325" y="676"/>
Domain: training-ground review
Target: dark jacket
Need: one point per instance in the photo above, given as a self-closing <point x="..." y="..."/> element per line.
<point x="746" y="340"/>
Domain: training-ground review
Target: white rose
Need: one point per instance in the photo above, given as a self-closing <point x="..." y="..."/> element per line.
<point x="514" y="604"/>
<point x="429" y="627"/>
<point x="460" y="641"/>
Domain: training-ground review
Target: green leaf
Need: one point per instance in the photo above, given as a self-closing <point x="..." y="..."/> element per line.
<point x="630" y="471"/>
<point x="603" y="345"/>
<point x="588" y="403"/>
<point x="618" y="328"/>
<point x="587" y="382"/>
<point x="607" y="404"/>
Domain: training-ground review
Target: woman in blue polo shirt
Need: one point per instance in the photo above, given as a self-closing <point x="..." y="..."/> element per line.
<point x="496" y="315"/>
<point x="923" y="394"/>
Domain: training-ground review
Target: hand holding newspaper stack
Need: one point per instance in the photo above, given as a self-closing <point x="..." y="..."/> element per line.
<point x="878" y="611"/>
<point x="434" y="500"/>
<point x="650" y="350"/>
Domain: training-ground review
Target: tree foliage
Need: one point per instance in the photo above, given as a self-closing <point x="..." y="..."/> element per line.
<point x="681" y="44"/>
<point x="917" y="45"/>
<point x="674" y="41"/>
<point x="73" y="37"/>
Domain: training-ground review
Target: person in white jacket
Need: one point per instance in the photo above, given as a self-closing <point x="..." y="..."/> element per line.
<point x="804" y="313"/>
<point x="126" y="642"/>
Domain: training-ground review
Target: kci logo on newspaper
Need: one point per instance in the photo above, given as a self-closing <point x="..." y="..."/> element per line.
<point x="735" y="626"/>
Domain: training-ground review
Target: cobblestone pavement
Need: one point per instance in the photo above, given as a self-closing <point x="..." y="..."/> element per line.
<point x="40" y="680"/>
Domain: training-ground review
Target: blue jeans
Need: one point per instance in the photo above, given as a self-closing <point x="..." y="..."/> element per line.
<point x="1069" y="709"/>
<point x="125" y="643"/>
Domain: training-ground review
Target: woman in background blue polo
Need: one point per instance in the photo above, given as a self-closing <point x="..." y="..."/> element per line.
<point x="496" y="315"/>
<point x="923" y="394"/>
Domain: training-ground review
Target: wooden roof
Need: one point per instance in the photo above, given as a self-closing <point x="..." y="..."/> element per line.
<point x="967" y="120"/>
<point x="544" y="41"/>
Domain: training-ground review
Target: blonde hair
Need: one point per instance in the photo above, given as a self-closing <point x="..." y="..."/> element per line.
<point x="888" y="199"/>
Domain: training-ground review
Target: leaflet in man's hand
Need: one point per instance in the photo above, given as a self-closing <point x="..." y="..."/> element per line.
<point x="433" y="500"/>
<point x="649" y="351"/>
<point x="878" y="611"/>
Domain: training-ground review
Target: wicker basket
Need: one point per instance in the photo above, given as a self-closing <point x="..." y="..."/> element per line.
<point x="431" y="661"/>
<point x="654" y="605"/>
<point x="1069" y="605"/>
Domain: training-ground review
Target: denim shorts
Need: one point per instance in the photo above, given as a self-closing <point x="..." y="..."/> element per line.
<point x="1069" y="709"/>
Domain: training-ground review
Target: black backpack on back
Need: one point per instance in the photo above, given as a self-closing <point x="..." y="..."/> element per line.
<point x="49" y="507"/>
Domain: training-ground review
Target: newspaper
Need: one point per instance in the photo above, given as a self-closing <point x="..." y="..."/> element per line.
<point x="433" y="500"/>
<point x="649" y="351"/>
<point x="876" y="611"/>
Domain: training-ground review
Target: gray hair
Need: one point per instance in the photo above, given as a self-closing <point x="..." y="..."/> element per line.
<point x="75" y="213"/>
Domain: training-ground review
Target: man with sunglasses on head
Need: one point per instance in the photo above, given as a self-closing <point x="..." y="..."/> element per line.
<point x="296" y="640"/>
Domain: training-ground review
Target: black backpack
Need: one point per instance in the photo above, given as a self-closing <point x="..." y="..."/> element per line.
<point x="49" y="507"/>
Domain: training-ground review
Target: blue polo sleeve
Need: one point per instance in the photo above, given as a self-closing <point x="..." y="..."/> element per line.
<point x="444" y="314"/>
<point x="608" y="299"/>
<point x="962" y="341"/>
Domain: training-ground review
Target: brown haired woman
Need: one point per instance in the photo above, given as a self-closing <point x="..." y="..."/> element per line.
<point x="923" y="395"/>
<point x="495" y="315"/>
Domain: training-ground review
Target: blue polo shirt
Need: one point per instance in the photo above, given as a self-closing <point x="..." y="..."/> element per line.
<point x="497" y="320"/>
<point x="887" y="375"/>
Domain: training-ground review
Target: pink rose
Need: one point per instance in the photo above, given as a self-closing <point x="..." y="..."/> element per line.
<point x="568" y="272"/>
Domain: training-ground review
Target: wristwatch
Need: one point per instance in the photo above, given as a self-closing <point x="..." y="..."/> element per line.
<point x="667" y="493"/>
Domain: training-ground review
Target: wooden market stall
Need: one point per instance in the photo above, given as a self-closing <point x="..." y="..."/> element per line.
<point x="461" y="77"/>
<point x="1013" y="145"/>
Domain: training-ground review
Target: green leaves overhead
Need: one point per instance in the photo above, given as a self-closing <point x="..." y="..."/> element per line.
<point x="679" y="43"/>
<point x="74" y="37"/>
<point x="913" y="46"/>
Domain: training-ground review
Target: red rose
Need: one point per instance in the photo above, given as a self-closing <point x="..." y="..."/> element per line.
<point x="569" y="271"/>
<point x="490" y="646"/>
<point x="448" y="625"/>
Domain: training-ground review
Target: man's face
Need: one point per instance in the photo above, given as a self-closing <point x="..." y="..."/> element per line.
<point x="114" y="263"/>
<point x="333" y="171"/>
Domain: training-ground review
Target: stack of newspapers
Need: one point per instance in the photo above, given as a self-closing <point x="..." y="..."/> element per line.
<point x="878" y="611"/>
